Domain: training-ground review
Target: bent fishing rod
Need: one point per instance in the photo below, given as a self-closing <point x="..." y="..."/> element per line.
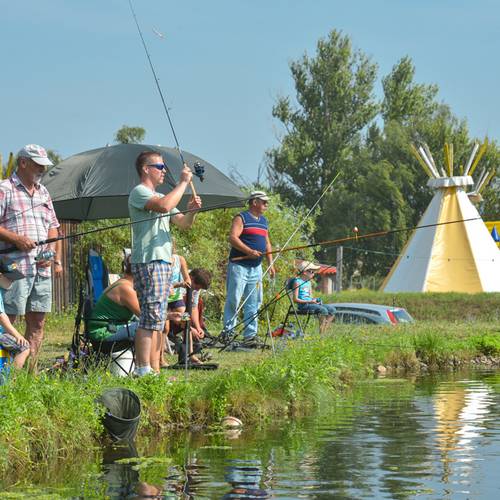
<point x="199" y="169"/>
<point x="283" y="292"/>
<point x="226" y="204"/>
<point x="375" y="234"/>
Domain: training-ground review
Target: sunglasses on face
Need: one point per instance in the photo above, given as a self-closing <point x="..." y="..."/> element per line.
<point x="159" y="166"/>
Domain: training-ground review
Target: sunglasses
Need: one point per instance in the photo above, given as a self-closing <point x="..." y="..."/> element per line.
<point x="159" y="166"/>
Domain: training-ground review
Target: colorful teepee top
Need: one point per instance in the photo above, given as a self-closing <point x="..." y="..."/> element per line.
<point x="457" y="254"/>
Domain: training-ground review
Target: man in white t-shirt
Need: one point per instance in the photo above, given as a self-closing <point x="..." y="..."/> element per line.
<point x="152" y="251"/>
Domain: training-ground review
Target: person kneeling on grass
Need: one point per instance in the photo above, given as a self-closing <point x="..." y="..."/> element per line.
<point x="11" y="340"/>
<point x="302" y="295"/>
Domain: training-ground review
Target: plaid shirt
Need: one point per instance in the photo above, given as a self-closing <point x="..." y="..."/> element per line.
<point x="30" y="216"/>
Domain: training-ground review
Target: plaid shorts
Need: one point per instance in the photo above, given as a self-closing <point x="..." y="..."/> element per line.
<point x="152" y="283"/>
<point x="9" y="343"/>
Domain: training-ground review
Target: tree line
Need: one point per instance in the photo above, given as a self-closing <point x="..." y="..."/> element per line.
<point x="335" y="123"/>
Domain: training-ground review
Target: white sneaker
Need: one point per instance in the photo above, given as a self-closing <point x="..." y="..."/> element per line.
<point x="141" y="371"/>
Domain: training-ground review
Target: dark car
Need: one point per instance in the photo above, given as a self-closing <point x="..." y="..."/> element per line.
<point x="370" y="314"/>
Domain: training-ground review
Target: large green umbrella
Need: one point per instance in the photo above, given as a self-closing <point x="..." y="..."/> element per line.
<point x="95" y="184"/>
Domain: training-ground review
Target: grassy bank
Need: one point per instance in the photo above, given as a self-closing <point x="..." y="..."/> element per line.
<point x="47" y="417"/>
<point x="454" y="307"/>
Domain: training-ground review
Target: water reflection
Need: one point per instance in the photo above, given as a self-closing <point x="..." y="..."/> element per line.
<point x="462" y="413"/>
<point x="429" y="438"/>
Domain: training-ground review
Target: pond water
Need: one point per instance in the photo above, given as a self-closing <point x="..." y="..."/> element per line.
<point x="433" y="437"/>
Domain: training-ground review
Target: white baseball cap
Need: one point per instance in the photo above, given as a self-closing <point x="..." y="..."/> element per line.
<point x="305" y="265"/>
<point x="260" y="195"/>
<point x="36" y="153"/>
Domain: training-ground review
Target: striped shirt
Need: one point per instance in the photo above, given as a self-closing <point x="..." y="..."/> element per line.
<point x="27" y="215"/>
<point x="254" y="235"/>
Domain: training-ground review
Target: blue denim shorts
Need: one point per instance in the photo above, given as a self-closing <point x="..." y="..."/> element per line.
<point x="30" y="294"/>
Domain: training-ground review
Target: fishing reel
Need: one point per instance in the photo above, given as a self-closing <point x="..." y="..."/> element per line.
<point x="199" y="171"/>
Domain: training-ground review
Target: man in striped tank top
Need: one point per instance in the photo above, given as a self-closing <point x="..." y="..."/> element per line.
<point x="249" y="238"/>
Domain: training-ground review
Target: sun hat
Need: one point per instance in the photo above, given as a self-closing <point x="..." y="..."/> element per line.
<point x="259" y="195"/>
<point x="36" y="153"/>
<point x="305" y="265"/>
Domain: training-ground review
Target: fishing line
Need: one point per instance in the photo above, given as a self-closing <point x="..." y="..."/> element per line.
<point x="333" y="242"/>
<point x="227" y="204"/>
<point x="274" y="300"/>
<point x="22" y="212"/>
<point x="375" y="234"/>
<point x="165" y="107"/>
<point x="279" y="252"/>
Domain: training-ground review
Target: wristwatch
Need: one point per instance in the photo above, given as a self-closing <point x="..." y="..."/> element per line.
<point x="57" y="263"/>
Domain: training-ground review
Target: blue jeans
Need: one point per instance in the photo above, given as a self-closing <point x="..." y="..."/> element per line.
<point x="320" y="309"/>
<point x="243" y="282"/>
<point x="123" y="332"/>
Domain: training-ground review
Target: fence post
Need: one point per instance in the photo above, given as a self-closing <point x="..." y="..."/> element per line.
<point x="338" y="275"/>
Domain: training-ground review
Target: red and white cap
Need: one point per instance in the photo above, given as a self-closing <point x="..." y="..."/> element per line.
<point x="36" y="153"/>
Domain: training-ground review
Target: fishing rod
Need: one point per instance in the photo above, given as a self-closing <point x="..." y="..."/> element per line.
<point x="375" y="234"/>
<point x="285" y="290"/>
<point x="226" y="204"/>
<point x="311" y="210"/>
<point x="199" y="169"/>
<point x="281" y="293"/>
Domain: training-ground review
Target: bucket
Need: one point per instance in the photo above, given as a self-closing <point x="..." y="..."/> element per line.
<point x="5" y="361"/>
<point x="123" y="410"/>
<point x="122" y="363"/>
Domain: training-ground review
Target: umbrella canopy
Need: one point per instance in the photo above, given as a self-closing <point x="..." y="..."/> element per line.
<point x="95" y="184"/>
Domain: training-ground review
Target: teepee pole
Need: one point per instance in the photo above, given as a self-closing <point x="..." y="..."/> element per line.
<point x="417" y="156"/>
<point x="429" y="156"/>
<point x="486" y="180"/>
<point x="447" y="158"/>
<point x="450" y="153"/>
<point x="469" y="163"/>
<point x="482" y="150"/>
<point x="427" y="161"/>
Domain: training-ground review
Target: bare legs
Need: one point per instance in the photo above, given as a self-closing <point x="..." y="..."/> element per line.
<point x="35" y="322"/>
<point x="324" y="323"/>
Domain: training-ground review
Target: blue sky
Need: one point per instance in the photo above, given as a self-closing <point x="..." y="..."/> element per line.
<point x="73" y="72"/>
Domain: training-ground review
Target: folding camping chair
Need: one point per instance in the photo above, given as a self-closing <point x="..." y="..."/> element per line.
<point x="293" y="310"/>
<point x="101" y="352"/>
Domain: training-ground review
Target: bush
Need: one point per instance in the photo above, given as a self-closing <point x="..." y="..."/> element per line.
<point x="488" y="344"/>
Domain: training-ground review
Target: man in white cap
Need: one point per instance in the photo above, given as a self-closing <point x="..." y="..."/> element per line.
<point x="26" y="217"/>
<point x="249" y="238"/>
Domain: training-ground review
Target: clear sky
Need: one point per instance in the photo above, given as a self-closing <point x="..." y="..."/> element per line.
<point x="74" y="71"/>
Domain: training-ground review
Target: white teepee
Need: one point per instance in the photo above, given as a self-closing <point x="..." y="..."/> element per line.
<point x="451" y="256"/>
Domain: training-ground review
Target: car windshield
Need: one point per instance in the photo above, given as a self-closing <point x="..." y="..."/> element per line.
<point x="402" y="316"/>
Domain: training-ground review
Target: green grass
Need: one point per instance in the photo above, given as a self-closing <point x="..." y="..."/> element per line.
<point x="48" y="417"/>
<point x="56" y="416"/>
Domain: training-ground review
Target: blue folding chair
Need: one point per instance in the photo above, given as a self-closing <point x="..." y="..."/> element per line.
<point x="97" y="276"/>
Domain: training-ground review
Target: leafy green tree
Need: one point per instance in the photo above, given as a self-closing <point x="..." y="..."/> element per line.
<point x="335" y="102"/>
<point x="404" y="100"/>
<point x="130" y="135"/>
<point x="382" y="186"/>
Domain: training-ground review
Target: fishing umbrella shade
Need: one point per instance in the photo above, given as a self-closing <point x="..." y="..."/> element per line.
<point x="123" y="411"/>
<point x="96" y="184"/>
